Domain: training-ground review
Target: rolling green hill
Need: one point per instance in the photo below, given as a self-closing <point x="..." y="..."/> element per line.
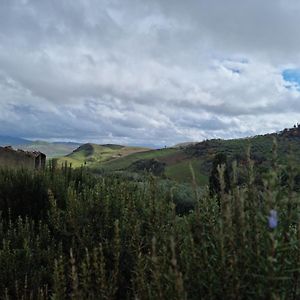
<point x="178" y="161"/>
<point x="175" y="163"/>
<point x="95" y="155"/>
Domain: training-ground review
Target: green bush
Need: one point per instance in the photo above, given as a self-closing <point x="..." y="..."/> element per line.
<point x="66" y="234"/>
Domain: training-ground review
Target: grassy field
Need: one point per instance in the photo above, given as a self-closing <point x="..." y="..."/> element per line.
<point x="181" y="172"/>
<point x="177" y="160"/>
<point x="94" y="155"/>
<point x="123" y="163"/>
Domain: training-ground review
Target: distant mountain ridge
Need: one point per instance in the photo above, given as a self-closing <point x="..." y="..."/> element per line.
<point x="13" y="141"/>
<point x="51" y="149"/>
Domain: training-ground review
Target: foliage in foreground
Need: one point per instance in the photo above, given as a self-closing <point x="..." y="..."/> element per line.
<point x="68" y="235"/>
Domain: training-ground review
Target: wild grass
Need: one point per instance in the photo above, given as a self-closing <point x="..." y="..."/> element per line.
<point x="66" y="234"/>
<point x="125" y="162"/>
<point x="181" y="172"/>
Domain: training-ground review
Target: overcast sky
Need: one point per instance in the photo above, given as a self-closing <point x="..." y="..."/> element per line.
<point x="151" y="72"/>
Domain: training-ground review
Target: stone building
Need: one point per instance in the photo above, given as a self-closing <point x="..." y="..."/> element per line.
<point x="21" y="159"/>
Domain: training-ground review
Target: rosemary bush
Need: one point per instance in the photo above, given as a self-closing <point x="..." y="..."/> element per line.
<point x="66" y="234"/>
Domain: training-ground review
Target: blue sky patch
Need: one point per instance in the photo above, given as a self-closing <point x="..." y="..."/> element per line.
<point x="291" y="75"/>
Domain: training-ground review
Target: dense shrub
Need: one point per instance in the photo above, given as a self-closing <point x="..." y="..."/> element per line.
<point x="152" y="165"/>
<point x="103" y="237"/>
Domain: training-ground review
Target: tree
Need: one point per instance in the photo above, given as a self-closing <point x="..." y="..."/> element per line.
<point x="214" y="179"/>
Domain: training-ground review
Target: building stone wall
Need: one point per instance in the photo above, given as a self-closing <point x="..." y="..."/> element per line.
<point x="21" y="159"/>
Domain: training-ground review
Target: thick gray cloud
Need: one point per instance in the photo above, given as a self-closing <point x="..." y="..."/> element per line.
<point x="147" y="72"/>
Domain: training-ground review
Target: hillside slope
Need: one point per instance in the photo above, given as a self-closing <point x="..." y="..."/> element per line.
<point x="94" y="155"/>
<point x="178" y="161"/>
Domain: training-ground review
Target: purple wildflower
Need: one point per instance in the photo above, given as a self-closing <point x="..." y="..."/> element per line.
<point x="273" y="219"/>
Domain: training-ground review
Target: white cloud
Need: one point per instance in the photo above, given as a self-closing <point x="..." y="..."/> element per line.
<point x="156" y="72"/>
